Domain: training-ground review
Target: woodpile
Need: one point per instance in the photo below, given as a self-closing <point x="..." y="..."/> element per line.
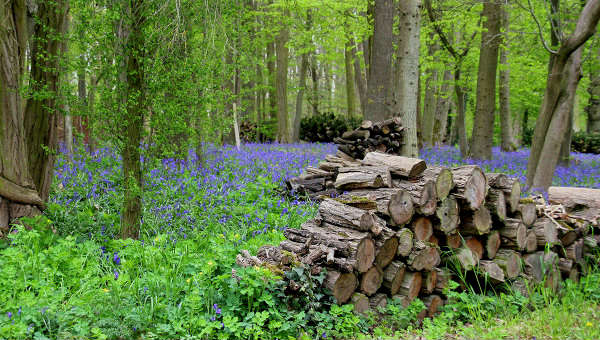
<point x="386" y="137"/>
<point x="395" y="228"/>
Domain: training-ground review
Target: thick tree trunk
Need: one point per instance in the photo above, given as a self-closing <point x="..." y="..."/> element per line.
<point x="408" y="73"/>
<point x="461" y="113"/>
<point x="506" y="143"/>
<point x="133" y="36"/>
<point x="553" y="111"/>
<point x="282" y="74"/>
<point x="593" y="107"/>
<point x="559" y="124"/>
<point x="380" y="76"/>
<point x="565" y="148"/>
<point x="483" y="125"/>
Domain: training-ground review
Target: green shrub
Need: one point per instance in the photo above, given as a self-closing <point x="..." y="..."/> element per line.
<point x="325" y="127"/>
<point x="586" y="142"/>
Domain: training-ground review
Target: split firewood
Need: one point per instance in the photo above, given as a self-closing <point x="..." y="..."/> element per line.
<point x="443" y="179"/>
<point x="495" y="202"/>
<point x="492" y="244"/>
<point x="475" y="245"/>
<point x="471" y="185"/>
<point x="574" y="251"/>
<point x="378" y="301"/>
<point x="422" y="228"/>
<point x="454" y="241"/>
<point x="531" y="245"/>
<point x="395" y="203"/>
<point x="433" y="303"/>
<point x="386" y="246"/>
<point x="465" y="258"/>
<point x="405" y="242"/>
<point x="360" y="302"/>
<point x="528" y="213"/>
<point x="492" y="271"/>
<point x="346" y="216"/>
<point x="545" y="232"/>
<point x="429" y="281"/>
<point x="401" y="166"/>
<point x="443" y="276"/>
<point x="423" y="194"/>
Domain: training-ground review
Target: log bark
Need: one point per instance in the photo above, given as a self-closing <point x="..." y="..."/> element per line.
<point x="423" y="257"/>
<point x="371" y="281"/>
<point x="496" y="204"/>
<point x="411" y="285"/>
<point x="444" y="181"/>
<point x="360" y="302"/>
<point x="341" y="285"/>
<point x="492" y="244"/>
<point x="532" y="244"/>
<point x="363" y="177"/>
<point x="528" y="213"/>
<point x="346" y="216"/>
<point x="429" y="281"/>
<point x="387" y="247"/>
<point x="509" y="261"/>
<point x="478" y="222"/>
<point x="510" y="186"/>
<point x="471" y="185"/>
<point x="395" y="203"/>
<point x="393" y="275"/>
<point x="405" y="242"/>
<point x="400" y="166"/>
<point x="492" y="271"/>
<point x="448" y="214"/>
<point x="423" y="193"/>
<point x="514" y="234"/>
<point x="545" y="232"/>
<point x="433" y="303"/>
<point x="475" y="245"/>
<point x="572" y="197"/>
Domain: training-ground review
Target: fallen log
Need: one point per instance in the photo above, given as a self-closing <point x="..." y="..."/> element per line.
<point x="400" y="166"/>
<point x="346" y="216"/>
<point x="574" y="198"/>
<point x="363" y="177"/>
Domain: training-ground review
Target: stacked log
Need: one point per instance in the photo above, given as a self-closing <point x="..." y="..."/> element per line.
<point x="399" y="229"/>
<point x="385" y="136"/>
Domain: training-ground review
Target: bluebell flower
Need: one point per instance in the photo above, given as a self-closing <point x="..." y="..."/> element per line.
<point x="9" y="314"/>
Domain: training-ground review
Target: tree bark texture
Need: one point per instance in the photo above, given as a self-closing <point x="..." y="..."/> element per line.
<point x="408" y="73"/>
<point x="593" y="107"/>
<point x="506" y="143"/>
<point x="483" y="125"/>
<point x="430" y="94"/>
<point x="378" y="105"/>
<point x="282" y="74"/>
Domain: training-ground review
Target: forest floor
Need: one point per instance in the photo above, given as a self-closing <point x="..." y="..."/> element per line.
<point x="180" y="280"/>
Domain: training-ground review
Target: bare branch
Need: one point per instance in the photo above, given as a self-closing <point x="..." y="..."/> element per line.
<point x="539" y="26"/>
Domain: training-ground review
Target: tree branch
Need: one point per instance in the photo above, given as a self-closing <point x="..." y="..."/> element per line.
<point x="586" y="26"/>
<point x="539" y="26"/>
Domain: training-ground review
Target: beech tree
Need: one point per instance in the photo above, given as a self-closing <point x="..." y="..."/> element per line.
<point x="551" y="124"/>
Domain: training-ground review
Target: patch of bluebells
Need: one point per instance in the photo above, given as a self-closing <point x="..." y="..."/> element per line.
<point x="182" y="195"/>
<point x="584" y="170"/>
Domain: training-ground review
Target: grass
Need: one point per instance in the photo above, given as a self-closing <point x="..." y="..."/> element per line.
<point x="180" y="279"/>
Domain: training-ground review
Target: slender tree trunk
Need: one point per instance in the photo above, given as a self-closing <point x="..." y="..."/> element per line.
<point x="135" y="105"/>
<point x="559" y="124"/>
<point x="82" y="94"/>
<point x="506" y="143"/>
<point x="483" y="125"/>
<point x="314" y="72"/>
<point x="419" y="109"/>
<point x="565" y="148"/>
<point x="282" y="73"/>
<point x="555" y="97"/>
<point x="359" y="79"/>
<point x="379" y="83"/>
<point x="430" y="95"/>
<point x="593" y="107"/>
<point x="350" y="91"/>
<point x="408" y="67"/>
<point x="442" y="108"/>
<point x="461" y="128"/>
<point x="300" y="98"/>
<point x="328" y="88"/>
<point x="271" y="78"/>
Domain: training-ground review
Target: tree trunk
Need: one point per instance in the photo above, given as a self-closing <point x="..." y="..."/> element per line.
<point x="282" y="74"/>
<point x="408" y="73"/>
<point x="442" y="108"/>
<point x="554" y="109"/>
<point x="593" y="107"/>
<point x="483" y="124"/>
<point x="271" y="79"/>
<point x="300" y="98"/>
<point x="82" y="93"/>
<point x="359" y="79"/>
<point x="350" y="91"/>
<point x="133" y="36"/>
<point x="461" y="113"/>
<point x="380" y="75"/>
<point x="565" y="148"/>
<point x="504" y="88"/>
<point x="430" y="92"/>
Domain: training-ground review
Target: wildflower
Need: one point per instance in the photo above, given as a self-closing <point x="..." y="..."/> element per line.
<point x="210" y="263"/>
<point x="9" y="314"/>
<point x="589" y="324"/>
<point x="116" y="274"/>
<point x="188" y="280"/>
<point x="116" y="258"/>
<point x="105" y="290"/>
<point x="324" y="335"/>
<point x="217" y="309"/>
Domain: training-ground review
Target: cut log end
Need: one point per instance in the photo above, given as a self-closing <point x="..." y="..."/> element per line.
<point x="371" y="281"/>
<point x="342" y="285"/>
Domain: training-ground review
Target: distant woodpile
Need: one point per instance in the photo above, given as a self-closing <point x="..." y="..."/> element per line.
<point x="389" y="226"/>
